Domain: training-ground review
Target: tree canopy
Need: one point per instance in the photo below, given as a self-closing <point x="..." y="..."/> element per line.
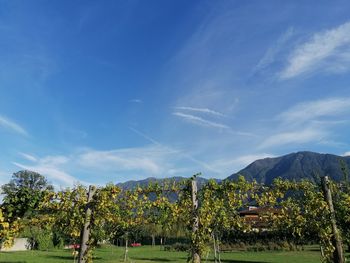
<point x="23" y="193"/>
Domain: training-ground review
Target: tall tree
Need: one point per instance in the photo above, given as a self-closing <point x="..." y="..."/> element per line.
<point x="23" y="193"/>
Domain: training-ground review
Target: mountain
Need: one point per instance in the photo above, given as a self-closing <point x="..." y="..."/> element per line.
<point x="129" y="185"/>
<point x="295" y="166"/>
<point x="145" y="182"/>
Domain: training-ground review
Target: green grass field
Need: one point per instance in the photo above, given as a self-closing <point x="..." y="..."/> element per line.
<point x="148" y="254"/>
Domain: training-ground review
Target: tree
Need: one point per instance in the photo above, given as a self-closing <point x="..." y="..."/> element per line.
<point x="23" y="193"/>
<point x="22" y="196"/>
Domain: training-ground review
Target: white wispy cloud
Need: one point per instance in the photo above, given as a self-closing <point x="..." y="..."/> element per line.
<point x="202" y="69"/>
<point x="312" y="110"/>
<point x="201" y="110"/>
<point x="145" y="159"/>
<point x="327" y="50"/>
<point x="293" y="137"/>
<point x="200" y="121"/>
<point x="52" y="172"/>
<point x="234" y="164"/>
<point x="54" y="160"/>
<point x="54" y="167"/>
<point x="12" y="125"/>
<point x="145" y="136"/>
<point x="28" y="157"/>
<point x="310" y="121"/>
<point x="135" y="100"/>
<point x="114" y="165"/>
<point x="183" y="154"/>
<point x="346" y="153"/>
<point x="271" y="53"/>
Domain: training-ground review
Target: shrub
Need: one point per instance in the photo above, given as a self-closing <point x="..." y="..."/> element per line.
<point x="40" y="239"/>
<point x="177" y="247"/>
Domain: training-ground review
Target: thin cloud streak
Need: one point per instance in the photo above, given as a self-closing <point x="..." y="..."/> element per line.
<point x="331" y="45"/>
<point x="147" y="159"/>
<point x="28" y="157"/>
<point x="200" y="121"/>
<point x="310" y="121"/>
<point x="202" y="110"/>
<point x="295" y="137"/>
<point x="145" y="136"/>
<point x="136" y="101"/>
<point x="13" y="126"/>
<point x="307" y="111"/>
<point x="51" y="172"/>
<point x="52" y="166"/>
<point x="234" y="164"/>
<point x="183" y="154"/>
<point x="270" y="55"/>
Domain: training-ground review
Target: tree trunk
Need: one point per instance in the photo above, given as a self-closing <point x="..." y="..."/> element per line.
<point x="153" y="240"/>
<point x="322" y="251"/>
<point x="338" y="255"/>
<point x="218" y="249"/>
<point x="126" y="249"/>
<point x="85" y="233"/>
<point x="214" y="243"/>
<point x="195" y="225"/>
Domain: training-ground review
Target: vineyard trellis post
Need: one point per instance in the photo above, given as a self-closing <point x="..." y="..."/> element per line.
<point x="338" y="255"/>
<point x="85" y="233"/>
<point x="195" y="224"/>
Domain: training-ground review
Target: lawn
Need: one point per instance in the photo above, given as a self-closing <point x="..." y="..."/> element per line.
<point x="146" y="254"/>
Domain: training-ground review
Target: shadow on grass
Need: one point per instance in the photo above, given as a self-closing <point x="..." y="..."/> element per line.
<point x="239" y="261"/>
<point x="157" y="259"/>
<point x="13" y="261"/>
<point x="316" y="249"/>
<point x="70" y="258"/>
<point x="209" y="260"/>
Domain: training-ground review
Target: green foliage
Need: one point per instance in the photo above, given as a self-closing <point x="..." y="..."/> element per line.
<point x="8" y="230"/>
<point x="23" y="194"/>
<point x="39" y="238"/>
<point x="177" y="247"/>
<point x="302" y="214"/>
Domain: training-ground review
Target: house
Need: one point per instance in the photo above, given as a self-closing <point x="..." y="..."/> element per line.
<point x="259" y="217"/>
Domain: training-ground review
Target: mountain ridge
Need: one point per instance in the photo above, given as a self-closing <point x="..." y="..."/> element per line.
<point x="145" y="182"/>
<point x="293" y="166"/>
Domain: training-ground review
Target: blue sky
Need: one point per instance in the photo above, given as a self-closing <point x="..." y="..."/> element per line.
<point x="98" y="92"/>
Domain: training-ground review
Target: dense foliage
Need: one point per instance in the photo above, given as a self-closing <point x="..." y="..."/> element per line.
<point x="294" y="213"/>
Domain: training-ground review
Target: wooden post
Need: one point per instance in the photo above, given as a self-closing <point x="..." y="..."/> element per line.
<point x="338" y="255"/>
<point x="85" y="233"/>
<point x="126" y="247"/>
<point x="195" y="247"/>
<point x="153" y="240"/>
<point x="214" y="244"/>
<point x="218" y="249"/>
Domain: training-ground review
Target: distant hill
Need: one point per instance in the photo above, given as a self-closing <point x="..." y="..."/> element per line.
<point x="129" y="185"/>
<point x="294" y="166"/>
<point x="145" y="182"/>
